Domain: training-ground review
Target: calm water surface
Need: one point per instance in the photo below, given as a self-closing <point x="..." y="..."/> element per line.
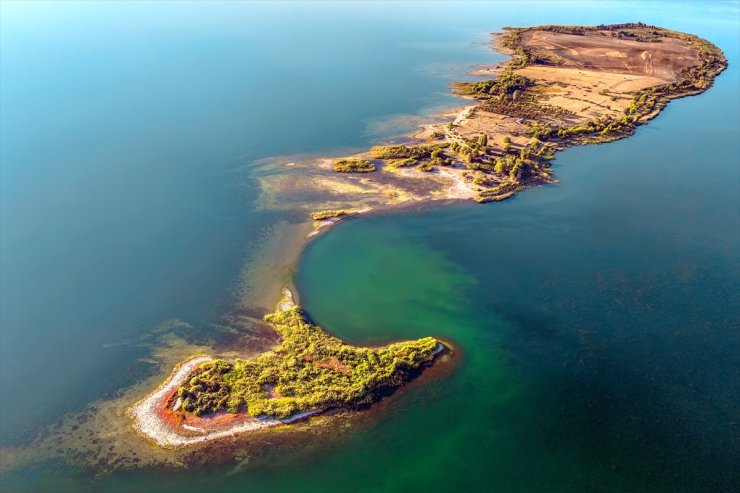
<point x="129" y="133"/>
<point x="596" y="321"/>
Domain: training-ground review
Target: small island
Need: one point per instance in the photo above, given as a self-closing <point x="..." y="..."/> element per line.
<point x="562" y="86"/>
<point x="309" y="372"/>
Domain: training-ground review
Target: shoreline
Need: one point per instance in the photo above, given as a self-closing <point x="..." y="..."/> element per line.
<point x="401" y="186"/>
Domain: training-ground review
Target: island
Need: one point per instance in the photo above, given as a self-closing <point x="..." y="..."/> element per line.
<point x="309" y="372"/>
<point x="562" y="86"/>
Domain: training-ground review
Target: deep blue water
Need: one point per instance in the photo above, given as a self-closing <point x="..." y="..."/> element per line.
<point x="129" y="133"/>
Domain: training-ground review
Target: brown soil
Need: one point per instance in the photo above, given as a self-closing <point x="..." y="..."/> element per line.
<point x="180" y="421"/>
<point x="588" y="77"/>
<point x="333" y="364"/>
<point x="602" y="51"/>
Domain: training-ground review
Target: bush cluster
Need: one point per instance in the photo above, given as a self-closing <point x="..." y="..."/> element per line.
<point x="330" y="214"/>
<point x="353" y="165"/>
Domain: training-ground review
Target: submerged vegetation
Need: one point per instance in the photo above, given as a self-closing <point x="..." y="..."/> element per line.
<point x="310" y="370"/>
<point x="353" y="165"/>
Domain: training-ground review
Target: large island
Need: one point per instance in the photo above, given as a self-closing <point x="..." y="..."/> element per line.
<point x="563" y="86"/>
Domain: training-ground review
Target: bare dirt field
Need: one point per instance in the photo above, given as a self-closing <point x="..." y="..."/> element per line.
<point x="602" y="51"/>
<point x="589" y="76"/>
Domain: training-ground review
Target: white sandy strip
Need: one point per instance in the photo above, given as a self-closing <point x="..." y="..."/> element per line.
<point x="287" y="302"/>
<point x="463" y="115"/>
<point x="460" y="189"/>
<point x="440" y="347"/>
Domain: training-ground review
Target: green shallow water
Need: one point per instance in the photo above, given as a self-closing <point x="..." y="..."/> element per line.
<point x="597" y="322"/>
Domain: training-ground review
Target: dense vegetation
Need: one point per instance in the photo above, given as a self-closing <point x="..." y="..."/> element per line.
<point x="309" y="370"/>
<point x="522" y="108"/>
<point x="502" y="192"/>
<point x="332" y="214"/>
<point x="505" y="84"/>
<point x="353" y="165"/>
<point x="424" y="156"/>
<point x="417" y="152"/>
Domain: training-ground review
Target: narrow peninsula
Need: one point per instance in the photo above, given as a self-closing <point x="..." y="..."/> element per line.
<point x="562" y="86"/>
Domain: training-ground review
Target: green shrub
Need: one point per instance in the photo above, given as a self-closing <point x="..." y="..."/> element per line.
<point x="399" y="163"/>
<point x="322" y="215"/>
<point x="506" y="83"/>
<point x="353" y="165"/>
<point x="423" y="151"/>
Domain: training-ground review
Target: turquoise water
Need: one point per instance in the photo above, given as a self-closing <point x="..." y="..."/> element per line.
<point x="595" y="320"/>
<point x="128" y="137"/>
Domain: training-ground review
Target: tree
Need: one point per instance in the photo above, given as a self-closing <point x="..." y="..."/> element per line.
<point x="507" y="143"/>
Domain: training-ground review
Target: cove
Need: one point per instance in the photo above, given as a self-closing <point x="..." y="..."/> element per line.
<point x="598" y="317"/>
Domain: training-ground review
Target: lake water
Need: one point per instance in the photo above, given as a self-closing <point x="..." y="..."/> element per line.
<point x="596" y="321"/>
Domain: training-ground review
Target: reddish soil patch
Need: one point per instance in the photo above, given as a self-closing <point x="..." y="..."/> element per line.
<point x="221" y="420"/>
<point x="272" y="392"/>
<point x="217" y="421"/>
<point x="333" y="364"/>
